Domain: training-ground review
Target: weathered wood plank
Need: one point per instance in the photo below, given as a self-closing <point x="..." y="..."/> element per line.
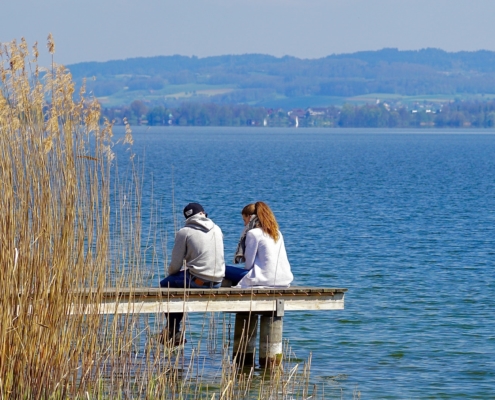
<point x="164" y="292"/>
<point x="156" y="300"/>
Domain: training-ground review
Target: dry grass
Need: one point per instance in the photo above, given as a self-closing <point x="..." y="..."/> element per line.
<point x="65" y="225"/>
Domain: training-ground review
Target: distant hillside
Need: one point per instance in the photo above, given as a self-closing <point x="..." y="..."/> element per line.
<point x="263" y="80"/>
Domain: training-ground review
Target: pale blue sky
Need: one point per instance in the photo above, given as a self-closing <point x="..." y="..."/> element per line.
<point x="100" y="30"/>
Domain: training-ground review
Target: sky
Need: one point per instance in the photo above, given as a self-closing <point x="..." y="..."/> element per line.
<point x="102" y="30"/>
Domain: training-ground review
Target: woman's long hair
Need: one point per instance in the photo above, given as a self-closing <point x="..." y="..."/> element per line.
<point x="267" y="220"/>
<point x="249" y="210"/>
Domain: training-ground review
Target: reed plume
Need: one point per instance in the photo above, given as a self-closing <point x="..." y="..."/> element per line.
<point x="54" y="225"/>
<point x="68" y="229"/>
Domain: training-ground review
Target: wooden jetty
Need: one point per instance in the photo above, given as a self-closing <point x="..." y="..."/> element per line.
<point x="269" y="305"/>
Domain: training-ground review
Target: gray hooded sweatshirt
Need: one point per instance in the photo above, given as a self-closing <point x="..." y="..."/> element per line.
<point x="200" y="244"/>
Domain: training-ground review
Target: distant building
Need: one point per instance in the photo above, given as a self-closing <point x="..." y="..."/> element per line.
<point x="297" y="112"/>
<point x="314" y="111"/>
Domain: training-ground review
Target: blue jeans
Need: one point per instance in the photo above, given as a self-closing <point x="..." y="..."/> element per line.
<point x="235" y="274"/>
<point x="180" y="282"/>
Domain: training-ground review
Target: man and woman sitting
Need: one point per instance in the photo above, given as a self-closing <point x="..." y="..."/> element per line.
<point x="198" y="257"/>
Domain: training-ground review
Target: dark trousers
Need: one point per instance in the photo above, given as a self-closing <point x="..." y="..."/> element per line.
<point x="235" y="274"/>
<point x="182" y="280"/>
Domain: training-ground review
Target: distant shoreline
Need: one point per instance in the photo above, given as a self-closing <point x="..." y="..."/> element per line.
<point x="227" y="130"/>
<point x="452" y="115"/>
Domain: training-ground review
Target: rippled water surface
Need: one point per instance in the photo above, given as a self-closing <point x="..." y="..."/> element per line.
<point x="405" y="220"/>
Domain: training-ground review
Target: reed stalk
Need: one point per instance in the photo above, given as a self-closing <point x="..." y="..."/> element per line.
<point x="70" y="223"/>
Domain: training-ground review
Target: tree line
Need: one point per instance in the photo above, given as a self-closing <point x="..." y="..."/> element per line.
<point x="456" y="114"/>
<point x="257" y="78"/>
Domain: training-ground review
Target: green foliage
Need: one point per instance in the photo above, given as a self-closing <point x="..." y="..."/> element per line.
<point x="259" y="79"/>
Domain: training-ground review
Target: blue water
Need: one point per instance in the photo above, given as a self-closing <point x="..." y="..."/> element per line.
<point x="404" y="219"/>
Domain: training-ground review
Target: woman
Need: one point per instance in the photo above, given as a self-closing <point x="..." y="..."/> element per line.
<point x="266" y="262"/>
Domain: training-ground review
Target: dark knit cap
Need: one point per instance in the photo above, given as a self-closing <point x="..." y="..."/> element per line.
<point x="193" y="209"/>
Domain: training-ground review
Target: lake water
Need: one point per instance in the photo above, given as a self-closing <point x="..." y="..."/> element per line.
<point x="404" y="219"/>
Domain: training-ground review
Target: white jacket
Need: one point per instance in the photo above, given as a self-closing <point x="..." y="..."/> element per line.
<point x="267" y="261"/>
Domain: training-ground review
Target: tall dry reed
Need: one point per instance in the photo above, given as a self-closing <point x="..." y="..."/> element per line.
<point x="65" y="231"/>
<point x="54" y="225"/>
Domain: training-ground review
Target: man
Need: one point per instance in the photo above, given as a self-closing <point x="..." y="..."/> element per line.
<point x="199" y="247"/>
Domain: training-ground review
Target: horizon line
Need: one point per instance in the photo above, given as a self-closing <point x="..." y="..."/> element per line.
<point x="395" y="49"/>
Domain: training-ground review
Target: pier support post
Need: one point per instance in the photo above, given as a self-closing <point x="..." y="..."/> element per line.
<point x="245" y="330"/>
<point x="271" y="330"/>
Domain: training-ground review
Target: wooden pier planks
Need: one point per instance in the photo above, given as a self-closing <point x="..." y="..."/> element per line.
<point x="261" y="300"/>
<point x="268" y="305"/>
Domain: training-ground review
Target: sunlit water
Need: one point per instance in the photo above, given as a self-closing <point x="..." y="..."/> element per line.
<point x="404" y="219"/>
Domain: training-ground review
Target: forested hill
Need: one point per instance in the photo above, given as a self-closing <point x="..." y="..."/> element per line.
<point x="257" y="79"/>
<point x="480" y="61"/>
